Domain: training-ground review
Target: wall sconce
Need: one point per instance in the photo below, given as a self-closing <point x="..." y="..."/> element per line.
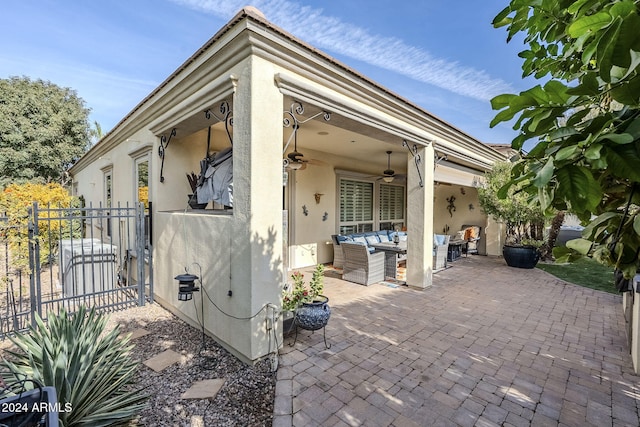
<point x="186" y="286"/>
<point x="317" y="197"/>
<point x="471" y="207"/>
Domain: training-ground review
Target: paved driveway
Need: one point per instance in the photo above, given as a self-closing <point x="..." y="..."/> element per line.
<point x="486" y="345"/>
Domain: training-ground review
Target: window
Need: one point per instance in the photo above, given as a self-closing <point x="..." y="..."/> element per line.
<point x="391" y="206"/>
<point x="368" y="205"/>
<point x="356" y="206"/>
<point x="108" y="187"/>
<point x="142" y="182"/>
<point x="142" y="191"/>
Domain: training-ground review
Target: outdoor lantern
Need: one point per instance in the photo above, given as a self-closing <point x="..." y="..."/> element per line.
<point x="186" y="286"/>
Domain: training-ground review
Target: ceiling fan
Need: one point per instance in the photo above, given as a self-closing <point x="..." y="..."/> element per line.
<point x="295" y="157"/>
<point x="389" y="174"/>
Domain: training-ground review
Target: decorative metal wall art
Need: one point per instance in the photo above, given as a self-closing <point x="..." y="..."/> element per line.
<point x="451" y="207"/>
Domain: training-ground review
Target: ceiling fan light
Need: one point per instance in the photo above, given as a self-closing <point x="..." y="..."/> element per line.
<point x="295" y="165"/>
<point x="387" y="179"/>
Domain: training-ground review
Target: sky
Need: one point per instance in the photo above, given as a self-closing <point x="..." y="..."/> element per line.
<point x="442" y="55"/>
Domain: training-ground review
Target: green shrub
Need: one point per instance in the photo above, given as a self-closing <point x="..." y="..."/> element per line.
<point x="92" y="372"/>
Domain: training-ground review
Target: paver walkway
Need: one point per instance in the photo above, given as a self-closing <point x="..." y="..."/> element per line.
<point x="486" y="345"/>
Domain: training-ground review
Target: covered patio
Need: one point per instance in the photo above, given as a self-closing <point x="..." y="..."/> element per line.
<point x="482" y="346"/>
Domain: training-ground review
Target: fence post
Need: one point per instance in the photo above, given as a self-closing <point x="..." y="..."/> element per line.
<point x="140" y="247"/>
<point x="34" y="261"/>
<point x="149" y="244"/>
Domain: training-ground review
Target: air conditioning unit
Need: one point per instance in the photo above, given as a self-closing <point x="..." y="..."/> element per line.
<point x="86" y="266"/>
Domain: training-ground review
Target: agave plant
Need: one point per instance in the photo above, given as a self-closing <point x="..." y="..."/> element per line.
<point x="92" y="371"/>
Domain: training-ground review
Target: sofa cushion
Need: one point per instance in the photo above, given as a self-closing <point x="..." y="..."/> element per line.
<point x="372" y="239"/>
<point x="383" y="235"/>
<point x="438" y="239"/>
<point x="360" y="239"/>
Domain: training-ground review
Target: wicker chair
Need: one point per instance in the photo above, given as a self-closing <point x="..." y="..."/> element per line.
<point x="361" y="266"/>
<point x="338" y="257"/>
<point x="440" y="254"/>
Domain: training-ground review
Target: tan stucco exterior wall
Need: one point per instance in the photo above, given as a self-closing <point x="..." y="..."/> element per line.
<point x="239" y="255"/>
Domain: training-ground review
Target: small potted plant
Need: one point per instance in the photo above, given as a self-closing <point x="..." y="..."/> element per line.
<point x="308" y="308"/>
<point x="524" y="220"/>
<point x="193" y="197"/>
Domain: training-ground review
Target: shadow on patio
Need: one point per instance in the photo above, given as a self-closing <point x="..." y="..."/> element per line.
<point x="485" y="345"/>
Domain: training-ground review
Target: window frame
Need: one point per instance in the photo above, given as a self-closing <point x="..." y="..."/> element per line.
<point x="361" y="226"/>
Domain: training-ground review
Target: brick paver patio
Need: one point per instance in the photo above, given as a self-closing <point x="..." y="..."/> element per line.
<point x="486" y="345"/>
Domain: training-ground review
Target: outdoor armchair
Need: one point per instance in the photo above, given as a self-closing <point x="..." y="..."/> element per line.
<point x="361" y="266"/>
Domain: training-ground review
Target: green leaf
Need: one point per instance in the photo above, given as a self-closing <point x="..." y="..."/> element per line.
<point x="544" y="175"/>
<point x="591" y="23"/>
<point x="622" y="8"/>
<point x="606" y="46"/>
<point x="628" y="93"/>
<point x="577" y="185"/>
<point x="555" y="92"/>
<point x="501" y="18"/>
<point x="567" y="152"/>
<point x="575" y="6"/>
<point x="593" y="152"/>
<point x="627" y="39"/>
<point x="562" y="133"/>
<point x="588" y="86"/>
<point x="581" y="246"/>
<point x="623" y="161"/>
<point x="501" y="101"/>
<point x="617" y="138"/>
<point x="636" y="224"/>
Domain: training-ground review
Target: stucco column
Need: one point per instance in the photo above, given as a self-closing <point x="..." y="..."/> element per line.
<point x="420" y="219"/>
<point x="257" y="235"/>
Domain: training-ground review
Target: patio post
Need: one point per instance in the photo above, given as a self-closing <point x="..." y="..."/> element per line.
<point x="420" y="218"/>
<point x="256" y="265"/>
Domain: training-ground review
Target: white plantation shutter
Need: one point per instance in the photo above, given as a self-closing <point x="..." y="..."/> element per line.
<point x="356" y="202"/>
<point x="391" y="203"/>
<point x="370" y="205"/>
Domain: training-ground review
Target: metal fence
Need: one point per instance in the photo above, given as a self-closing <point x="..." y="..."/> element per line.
<point x="60" y="257"/>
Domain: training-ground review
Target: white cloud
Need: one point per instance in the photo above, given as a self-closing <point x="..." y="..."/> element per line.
<point x="390" y="53"/>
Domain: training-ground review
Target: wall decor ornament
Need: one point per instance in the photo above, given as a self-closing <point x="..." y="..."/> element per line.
<point x="451" y="207"/>
<point x="305" y="211"/>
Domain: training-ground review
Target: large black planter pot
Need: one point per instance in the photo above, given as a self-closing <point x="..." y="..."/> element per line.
<point x="313" y="315"/>
<point x="521" y="256"/>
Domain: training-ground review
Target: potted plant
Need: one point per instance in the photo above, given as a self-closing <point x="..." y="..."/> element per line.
<point x="524" y="220"/>
<point x="306" y="305"/>
<point x="193" y="197"/>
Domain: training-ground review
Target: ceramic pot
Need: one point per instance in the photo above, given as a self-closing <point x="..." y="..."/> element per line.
<point x="520" y="256"/>
<point x="314" y="315"/>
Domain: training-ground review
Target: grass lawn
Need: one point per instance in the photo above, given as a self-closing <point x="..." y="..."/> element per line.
<point x="584" y="272"/>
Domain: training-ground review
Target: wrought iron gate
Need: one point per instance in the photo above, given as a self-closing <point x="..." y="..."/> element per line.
<point x="66" y="257"/>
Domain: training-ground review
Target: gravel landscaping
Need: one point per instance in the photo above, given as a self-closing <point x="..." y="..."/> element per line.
<point x="245" y="399"/>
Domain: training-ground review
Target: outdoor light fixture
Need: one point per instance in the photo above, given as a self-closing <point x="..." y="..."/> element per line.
<point x="295" y="165"/>
<point x="186" y="286"/>
<point x="387" y="178"/>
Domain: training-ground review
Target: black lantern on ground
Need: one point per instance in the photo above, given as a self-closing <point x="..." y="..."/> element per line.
<point x="186" y="286"/>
